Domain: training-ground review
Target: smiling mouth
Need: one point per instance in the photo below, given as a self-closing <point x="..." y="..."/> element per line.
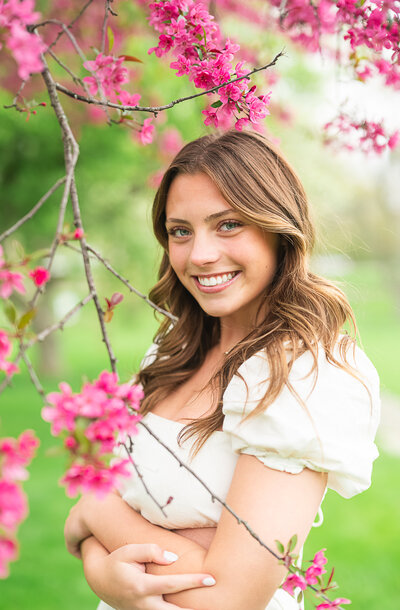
<point x="217" y="279"/>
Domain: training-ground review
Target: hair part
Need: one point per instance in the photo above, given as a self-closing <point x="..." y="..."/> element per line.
<point x="304" y="310"/>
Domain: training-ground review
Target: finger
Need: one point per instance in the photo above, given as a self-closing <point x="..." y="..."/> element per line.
<point x="160" y="585"/>
<point x="146" y="553"/>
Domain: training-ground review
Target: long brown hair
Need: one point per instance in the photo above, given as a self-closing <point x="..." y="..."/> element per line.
<point x="303" y="308"/>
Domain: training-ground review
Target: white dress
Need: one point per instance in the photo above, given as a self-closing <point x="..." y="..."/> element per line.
<point x="336" y="435"/>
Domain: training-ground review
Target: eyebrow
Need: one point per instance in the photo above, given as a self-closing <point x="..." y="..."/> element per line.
<point x="207" y="218"/>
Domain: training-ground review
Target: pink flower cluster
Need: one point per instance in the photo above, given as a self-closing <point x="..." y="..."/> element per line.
<point x="311" y="577"/>
<point x="305" y="21"/>
<point x="375" y="25"/>
<point x="26" y="47"/>
<point x="190" y="32"/>
<point x="9" y="281"/>
<point x="108" y="72"/>
<point x="89" y="423"/>
<point x="367" y="136"/>
<point x="5" y="350"/>
<point x="15" y="455"/>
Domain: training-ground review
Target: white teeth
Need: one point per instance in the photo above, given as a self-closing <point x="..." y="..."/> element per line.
<point x="215" y="279"/>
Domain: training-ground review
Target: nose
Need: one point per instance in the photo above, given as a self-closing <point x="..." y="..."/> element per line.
<point x="205" y="249"/>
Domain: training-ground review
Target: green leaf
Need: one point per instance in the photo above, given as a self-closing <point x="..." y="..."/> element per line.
<point x="292" y="543"/>
<point x="216" y="104"/>
<point x="10" y="311"/>
<point x="26" y="318"/>
<point x="18" y="249"/>
<point x="299" y="597"/>
<point x="280" y="546"/>
<point x="110" y="36"/>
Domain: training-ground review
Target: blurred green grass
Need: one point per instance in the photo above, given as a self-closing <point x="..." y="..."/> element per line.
<point x="361" y="536"/>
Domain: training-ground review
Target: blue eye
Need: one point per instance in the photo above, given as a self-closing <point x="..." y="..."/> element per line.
<point x="230" y="225"/>
<point x="178" y="232"/>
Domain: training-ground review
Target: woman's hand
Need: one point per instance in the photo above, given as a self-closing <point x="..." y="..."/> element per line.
<point x="76" y="529"/>
<point x="119" y="578"/>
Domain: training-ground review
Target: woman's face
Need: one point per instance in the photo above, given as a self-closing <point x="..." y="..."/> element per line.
<point x="224" y="261"/>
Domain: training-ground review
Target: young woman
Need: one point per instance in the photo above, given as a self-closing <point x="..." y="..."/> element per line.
<point x="255" y="387"/>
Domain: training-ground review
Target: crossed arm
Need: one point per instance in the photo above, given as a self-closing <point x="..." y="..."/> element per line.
<point x="275" y="504"/>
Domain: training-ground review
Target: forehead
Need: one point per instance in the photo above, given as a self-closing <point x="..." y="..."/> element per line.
<point x="194" y="195"/>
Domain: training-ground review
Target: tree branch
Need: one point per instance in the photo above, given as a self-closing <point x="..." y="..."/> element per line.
<point x="132" y="288"/>
<point x="72" y="23"/>
<point x="33" y="376"/>
<point x="107" y="10"/>
<point x="33" y="210"/>
<point x="71" y="152"/>
<point x="139" y="474"/>
<point x="156" y="109"/>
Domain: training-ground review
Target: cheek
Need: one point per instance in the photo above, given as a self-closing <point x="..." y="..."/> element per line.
<point x="177" y="258"/>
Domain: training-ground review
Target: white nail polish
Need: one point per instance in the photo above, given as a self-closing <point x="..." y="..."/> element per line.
<point x="170" y="556"/>
<point x="209" y="581"/>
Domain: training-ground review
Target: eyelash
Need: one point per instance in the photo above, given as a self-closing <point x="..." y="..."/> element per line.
<point x="173" y="230"/>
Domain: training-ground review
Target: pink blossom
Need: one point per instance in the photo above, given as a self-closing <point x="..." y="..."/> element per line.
<point x="333" y="604"/>
<point x="211" y="117"/>
<point x="394" y="140"/>
<point x="182" y="65"/>
<point x="8" y="552"/>
<point x="293" y="581"/>
<point x="171" y="141"/>
<point x="26" y="49"/>
<point x="10" y="281"/>
<point x="90" y="422"/>
<point x="15" y="455"/>
<point x="13" y="506"/>
<point x="40" y="276"/>
<point x="128" y="99"/>
<point x="146" y="133"/>
<point x="95" y="478"/>
<point x="241" y="123"/>
<point x="110" y="74"/>
<point x="78" y="234"/>
<point x="5" y="349"/>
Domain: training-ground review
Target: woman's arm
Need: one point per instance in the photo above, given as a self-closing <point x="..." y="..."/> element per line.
<point x="275" y="504"/>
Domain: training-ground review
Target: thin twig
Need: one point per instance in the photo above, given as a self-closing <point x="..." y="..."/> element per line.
<point x="132" y="288"/>
<point x="89" y="277"/>
<point x="212" y="494"/>
<point x="33" y="211"/>
<point x="65" y="29"/>
<point x="156" y="109"/>
<point x="71" y="153"/>
<point x="72" y="23"/>
<point x="104" y="28"/>
<point x="139" y="474"/>
<point x="33" y="376"/>
<point x="45" y="333"/>
<point x="75" y="78"/>
<point x="239" y="520"/>
<point x="60" y="324"/>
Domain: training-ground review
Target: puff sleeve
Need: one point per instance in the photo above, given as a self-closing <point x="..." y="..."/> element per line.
<point x="333" y="431"/>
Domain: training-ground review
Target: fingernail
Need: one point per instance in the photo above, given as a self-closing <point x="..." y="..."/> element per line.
<point x="170" y="556"/>
<point x="209" y="581"/>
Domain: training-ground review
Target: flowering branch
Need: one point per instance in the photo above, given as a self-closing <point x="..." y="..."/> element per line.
<point x="156" y="109"/>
